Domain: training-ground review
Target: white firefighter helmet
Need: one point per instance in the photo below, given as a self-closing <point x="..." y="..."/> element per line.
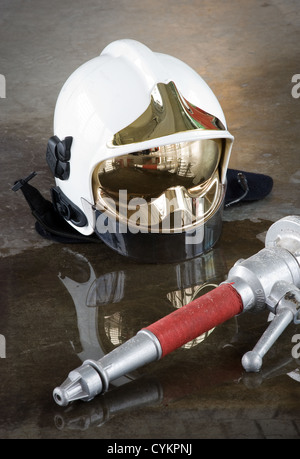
<point x="140" y="153"/>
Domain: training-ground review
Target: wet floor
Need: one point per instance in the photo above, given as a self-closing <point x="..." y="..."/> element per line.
<point x="64" y="303"/>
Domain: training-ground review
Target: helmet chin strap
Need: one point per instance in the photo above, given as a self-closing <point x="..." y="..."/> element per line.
<point x="242" y="181"/>
<point x="50" y="224"/>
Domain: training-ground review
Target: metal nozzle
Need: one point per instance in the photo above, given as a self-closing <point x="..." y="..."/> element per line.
<point x="83" y="383"/>
<point x="93" y="377"/>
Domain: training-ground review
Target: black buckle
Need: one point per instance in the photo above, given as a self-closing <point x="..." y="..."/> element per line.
<point x="66" y="208"/>
<point x="19" y="183"/>
<point x="58" y="156"/>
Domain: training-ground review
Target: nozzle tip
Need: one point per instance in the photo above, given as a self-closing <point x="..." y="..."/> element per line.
<point x="82" y="384"/>
<point x="60" y="396"/>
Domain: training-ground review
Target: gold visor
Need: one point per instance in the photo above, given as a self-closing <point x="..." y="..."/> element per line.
<point x="168" y="188"/>
<point x="151" y="172"/>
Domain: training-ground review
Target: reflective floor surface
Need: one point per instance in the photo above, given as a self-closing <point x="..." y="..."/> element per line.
<point x="63" y="303"/>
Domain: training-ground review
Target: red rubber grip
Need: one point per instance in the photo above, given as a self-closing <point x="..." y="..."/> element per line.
<point x="197" y="317"/>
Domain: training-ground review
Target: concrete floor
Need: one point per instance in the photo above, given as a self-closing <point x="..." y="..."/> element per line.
<point x="60" y="305"/>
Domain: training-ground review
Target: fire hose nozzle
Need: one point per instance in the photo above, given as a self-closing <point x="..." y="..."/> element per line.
<point x="94" y="376"/>
<point x="150" y="344"/>
<point x="270" y="278"/>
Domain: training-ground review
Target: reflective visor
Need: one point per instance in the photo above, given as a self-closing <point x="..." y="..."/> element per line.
<point x="149" y="173"/>
<point x="163" y="203"/>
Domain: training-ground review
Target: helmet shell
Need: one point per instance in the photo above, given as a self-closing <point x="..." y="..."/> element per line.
<point x="108" y="93"/>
